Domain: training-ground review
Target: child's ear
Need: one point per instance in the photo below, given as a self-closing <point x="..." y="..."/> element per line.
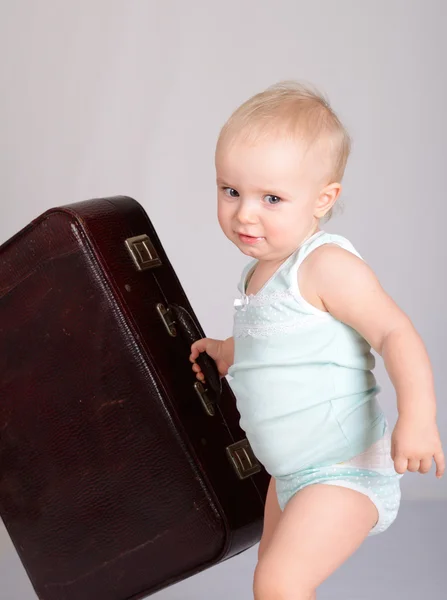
<point x="326" y="199"/>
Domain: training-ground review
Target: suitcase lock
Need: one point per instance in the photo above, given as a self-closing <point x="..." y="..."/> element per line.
<point x="142" y="252"/>
<point x="243" y="460"/>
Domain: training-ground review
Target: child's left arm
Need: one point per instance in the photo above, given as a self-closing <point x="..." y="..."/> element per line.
<point x="351" y="292"/>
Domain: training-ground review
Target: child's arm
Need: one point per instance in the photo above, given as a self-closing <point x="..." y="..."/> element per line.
<point x="222" y="351"/>
<point x="228" y="351"/>
<point x="351" y="292"/>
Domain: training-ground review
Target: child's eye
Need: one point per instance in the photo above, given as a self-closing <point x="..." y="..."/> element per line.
<point x="231" y="192"/>
<point x="272" y="199"/>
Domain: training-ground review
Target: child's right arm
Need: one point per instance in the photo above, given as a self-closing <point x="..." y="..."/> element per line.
<point x="221" y="351"/>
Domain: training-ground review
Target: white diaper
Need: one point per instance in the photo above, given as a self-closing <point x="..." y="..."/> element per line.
<point x="371" y="473"/>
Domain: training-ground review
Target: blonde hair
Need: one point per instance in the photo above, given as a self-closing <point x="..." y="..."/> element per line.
<point x="297" y="110"/>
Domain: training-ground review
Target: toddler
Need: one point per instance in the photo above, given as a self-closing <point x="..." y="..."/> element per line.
<point x="309" y="312"/>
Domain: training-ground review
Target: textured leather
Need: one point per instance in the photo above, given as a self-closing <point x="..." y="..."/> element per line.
<point x="114" y="482"/>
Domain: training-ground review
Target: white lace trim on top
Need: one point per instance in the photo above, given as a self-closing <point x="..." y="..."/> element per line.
<point x="262" y="329"/>
<point x="262" y="299"/>
<point x="252" y="325"/>
<point x="268" y="329"/>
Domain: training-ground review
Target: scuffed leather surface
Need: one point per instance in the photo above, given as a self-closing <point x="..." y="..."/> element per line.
<point x="113" y="481"/>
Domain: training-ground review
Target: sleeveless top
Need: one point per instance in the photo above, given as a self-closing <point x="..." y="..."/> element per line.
<point x="303" y="380"/>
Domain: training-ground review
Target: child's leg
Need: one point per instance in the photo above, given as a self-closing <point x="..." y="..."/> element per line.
<point x="272" y="514"/>
<point x="322" y="525"/>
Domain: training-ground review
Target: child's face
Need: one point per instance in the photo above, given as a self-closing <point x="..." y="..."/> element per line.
<point x="267" y="191"/>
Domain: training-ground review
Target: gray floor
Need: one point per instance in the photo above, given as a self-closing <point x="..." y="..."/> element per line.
<point x="407" y="562"/>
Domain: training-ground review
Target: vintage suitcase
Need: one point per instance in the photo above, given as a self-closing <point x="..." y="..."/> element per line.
<point x="120" y="474"/>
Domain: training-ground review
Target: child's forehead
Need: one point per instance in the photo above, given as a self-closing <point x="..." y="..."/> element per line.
<point x="272" y="149"/>
<point x="270" y="157"/>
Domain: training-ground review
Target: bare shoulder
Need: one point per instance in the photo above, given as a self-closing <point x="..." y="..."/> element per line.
<point x="320" y="259"/>
<point x="350" y="291"/>
<point x="332" y="257"/>
<point x="328" y="267"/>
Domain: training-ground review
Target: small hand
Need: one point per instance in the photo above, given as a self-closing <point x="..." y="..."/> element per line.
<point x="214" y="349"/>
<point x="414" y="444"/>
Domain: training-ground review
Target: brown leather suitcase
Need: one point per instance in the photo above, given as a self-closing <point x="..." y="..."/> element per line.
<point x="120" y="474"/>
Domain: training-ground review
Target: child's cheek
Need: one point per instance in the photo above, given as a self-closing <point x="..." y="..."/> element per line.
<point x="222" y="216"/>
<point x="278" y="227"/>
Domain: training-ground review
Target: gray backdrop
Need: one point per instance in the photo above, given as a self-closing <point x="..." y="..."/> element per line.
<point x="107" y="97"/>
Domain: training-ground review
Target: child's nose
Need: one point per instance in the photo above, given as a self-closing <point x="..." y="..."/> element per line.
<point x="246" y="213"/>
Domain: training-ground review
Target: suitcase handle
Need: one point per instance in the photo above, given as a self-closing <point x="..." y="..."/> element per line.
<point x="191" y="334"/>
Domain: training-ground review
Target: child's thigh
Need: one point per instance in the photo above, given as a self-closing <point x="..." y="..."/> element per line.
<point x="272" y="514"/>
<point x="321" y="526"/>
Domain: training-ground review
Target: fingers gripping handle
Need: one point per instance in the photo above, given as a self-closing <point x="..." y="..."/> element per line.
<point x="191" y="334"/>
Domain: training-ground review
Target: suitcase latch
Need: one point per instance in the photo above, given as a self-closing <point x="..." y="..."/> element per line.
<point x="142" y="252"/>
<point x="206" y="402"/>
<point x="243" y="460"/>
<point x="168" y="319"/>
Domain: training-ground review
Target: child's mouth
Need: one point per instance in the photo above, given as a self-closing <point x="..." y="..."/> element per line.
<point x="249" y="239"/>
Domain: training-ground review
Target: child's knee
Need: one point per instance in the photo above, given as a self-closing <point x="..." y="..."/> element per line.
<point x="272" y="583"/>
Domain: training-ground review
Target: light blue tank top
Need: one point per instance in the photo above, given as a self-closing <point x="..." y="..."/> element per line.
<point x="302" y="379"/>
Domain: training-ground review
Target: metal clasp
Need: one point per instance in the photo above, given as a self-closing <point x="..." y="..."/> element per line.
<point x="243" y="460"/>
<point x="168" y="321"/>
<point x="142" y="252"/>
<point x="206" y="402"/>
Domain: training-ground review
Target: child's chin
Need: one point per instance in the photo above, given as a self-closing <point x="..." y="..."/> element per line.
<point x="252" y="251"/>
